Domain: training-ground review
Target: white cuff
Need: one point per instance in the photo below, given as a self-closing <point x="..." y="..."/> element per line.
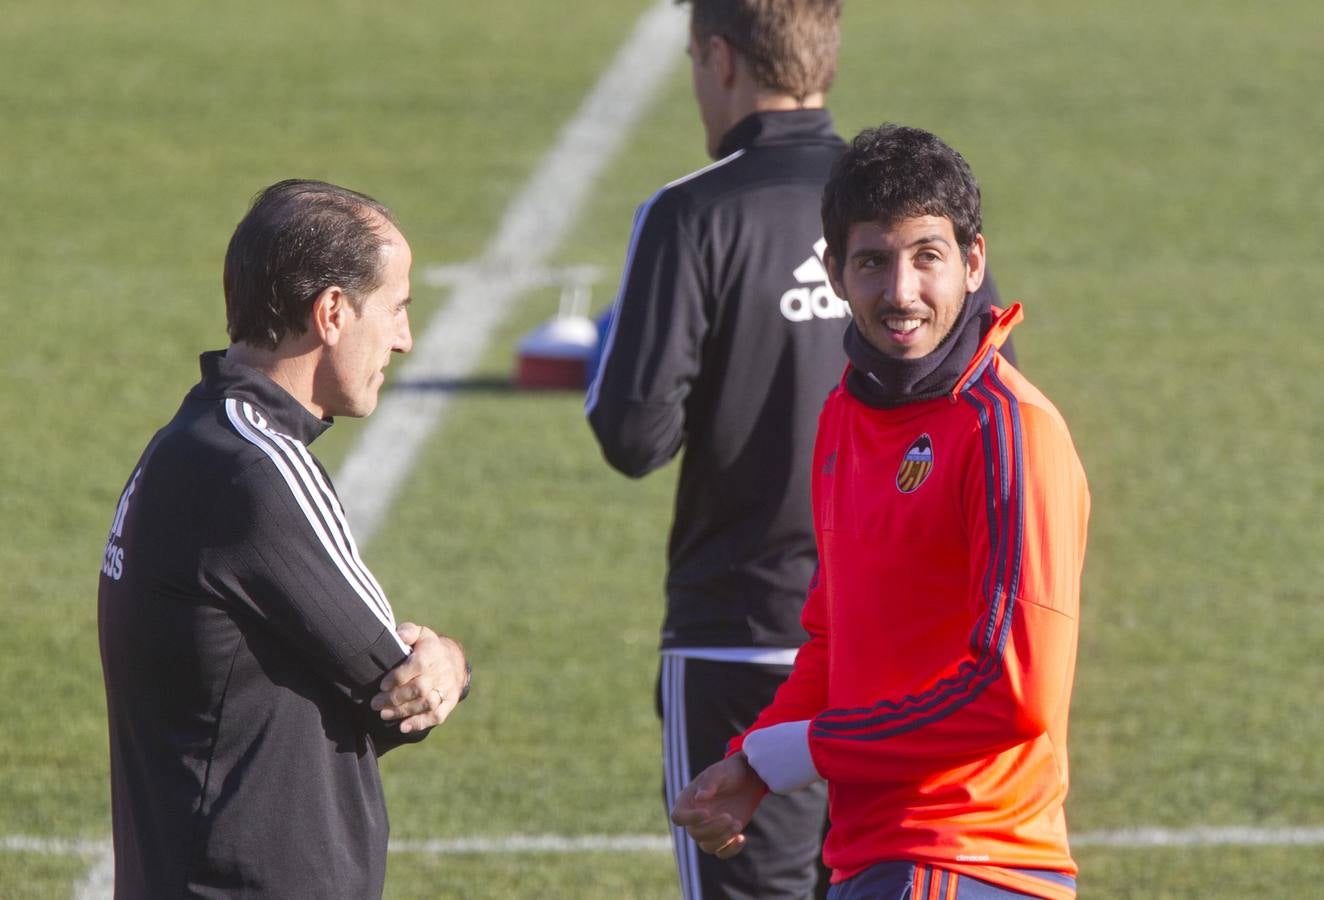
<point x="780" y="754"/>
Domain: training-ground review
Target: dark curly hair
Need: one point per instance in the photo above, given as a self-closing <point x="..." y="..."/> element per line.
<point x="893" y="172"/>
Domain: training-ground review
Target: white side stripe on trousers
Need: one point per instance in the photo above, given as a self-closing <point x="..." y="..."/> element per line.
<point x="676" y="771"/>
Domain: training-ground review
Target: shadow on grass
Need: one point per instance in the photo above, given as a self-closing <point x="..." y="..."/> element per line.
<point x="491" y="386"/>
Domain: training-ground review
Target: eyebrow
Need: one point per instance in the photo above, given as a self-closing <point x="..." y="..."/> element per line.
<point x="918" y="242"/>
<point x="405" y="302"/>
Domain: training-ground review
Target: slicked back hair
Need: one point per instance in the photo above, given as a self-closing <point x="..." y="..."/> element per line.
<point x="790" y="45"/>
<point x="298" y="239"/>
<point x="892" y="173"/>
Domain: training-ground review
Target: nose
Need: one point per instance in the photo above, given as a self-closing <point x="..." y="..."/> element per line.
<point x="404" y="341"/>
<point x="902" y="287"/>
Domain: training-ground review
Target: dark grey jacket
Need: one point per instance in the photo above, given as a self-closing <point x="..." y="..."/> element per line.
<point x="241" y="638"/>
<point x="726" y="340"/>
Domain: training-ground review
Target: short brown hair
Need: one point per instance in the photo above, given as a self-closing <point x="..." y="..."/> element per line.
<point x="790" y="45"/>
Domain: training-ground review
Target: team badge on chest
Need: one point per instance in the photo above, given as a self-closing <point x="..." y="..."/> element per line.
<point x="915" y="465"/>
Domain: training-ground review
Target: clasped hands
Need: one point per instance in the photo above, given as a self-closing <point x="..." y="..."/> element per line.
<point x="423" y="690"/>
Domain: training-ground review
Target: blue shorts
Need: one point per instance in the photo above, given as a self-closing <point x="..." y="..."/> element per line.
<point x="903" y="880"/>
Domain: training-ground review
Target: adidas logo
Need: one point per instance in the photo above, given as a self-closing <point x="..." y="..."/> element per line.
<point x="800" y="304"/>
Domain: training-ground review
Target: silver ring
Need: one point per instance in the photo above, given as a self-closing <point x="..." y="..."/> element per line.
<point x="441" y="698"/>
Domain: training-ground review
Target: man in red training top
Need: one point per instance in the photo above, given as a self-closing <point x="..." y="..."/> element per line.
<point x="950" y="513"/>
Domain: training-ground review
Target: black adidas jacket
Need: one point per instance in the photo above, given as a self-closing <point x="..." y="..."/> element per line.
<point x="726" y="339"/>
<point x="241" y="637"/>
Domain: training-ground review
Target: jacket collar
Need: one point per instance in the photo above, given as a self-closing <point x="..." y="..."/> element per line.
<point x="224" y="378"/>
<point x="999" y="329"/>
<point x="772" y="127"/>
<point x="1003" y="322"/>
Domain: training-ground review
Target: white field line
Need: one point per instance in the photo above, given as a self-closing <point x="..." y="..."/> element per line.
<point x="1121" y="839"/>
<point x="482" y="293"/>
<point x="99" y="882"/>
<point x="1125" y="839"/>
<point x="18" y="843"/>
<point x="536" y="843"/>
<point x="1227" y="836"/>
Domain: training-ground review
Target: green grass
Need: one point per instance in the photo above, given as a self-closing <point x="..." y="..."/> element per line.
<point x="32" y="876"/>
<point x="133" y="143"/>
<point x="551" y="575"/>
<point x="590" y="876"/>
<point x="1207" y="873"/>
<point x="1152" y="183"/>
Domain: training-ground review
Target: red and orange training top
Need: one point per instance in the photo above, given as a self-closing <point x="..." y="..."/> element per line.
<point x="943" y="624"/>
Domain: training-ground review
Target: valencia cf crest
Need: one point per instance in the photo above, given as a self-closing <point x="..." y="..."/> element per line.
<point x="916" y="465"/>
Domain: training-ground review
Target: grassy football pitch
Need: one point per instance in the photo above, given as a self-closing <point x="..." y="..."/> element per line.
<point x="1152" y="185"/>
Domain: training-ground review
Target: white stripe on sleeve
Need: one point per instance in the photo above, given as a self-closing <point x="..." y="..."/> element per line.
<point x="306" y="492"/>
<point x="317" y="490"/>
<point x="332" y="513"/>
<point x="640" y="215"/>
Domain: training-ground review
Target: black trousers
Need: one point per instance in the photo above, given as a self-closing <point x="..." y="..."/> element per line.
<point x="703" y="704"/>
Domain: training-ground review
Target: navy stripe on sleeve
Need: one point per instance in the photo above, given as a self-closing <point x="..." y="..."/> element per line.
<point x="1000" y="430"/>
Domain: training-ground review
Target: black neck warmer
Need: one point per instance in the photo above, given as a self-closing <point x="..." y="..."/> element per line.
<point x="882" y="381"/>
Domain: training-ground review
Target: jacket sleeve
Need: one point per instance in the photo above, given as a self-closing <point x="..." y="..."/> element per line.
<point x="651" y="357"/>
<point x="1025" y="506"/>
<point x="804" y="693"/>
<point x="288" y="564"/>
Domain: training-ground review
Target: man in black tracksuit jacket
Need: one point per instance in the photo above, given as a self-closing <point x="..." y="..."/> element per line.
<point x="726" y="339"/>
<point x="244" y="642"/>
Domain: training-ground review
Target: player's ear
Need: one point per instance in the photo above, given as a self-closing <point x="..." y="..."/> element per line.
<point x="724" y="58"/>
<point x="975" y="259"/>
<point x="330" y="313"/>
<point x="834" y="274"/>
